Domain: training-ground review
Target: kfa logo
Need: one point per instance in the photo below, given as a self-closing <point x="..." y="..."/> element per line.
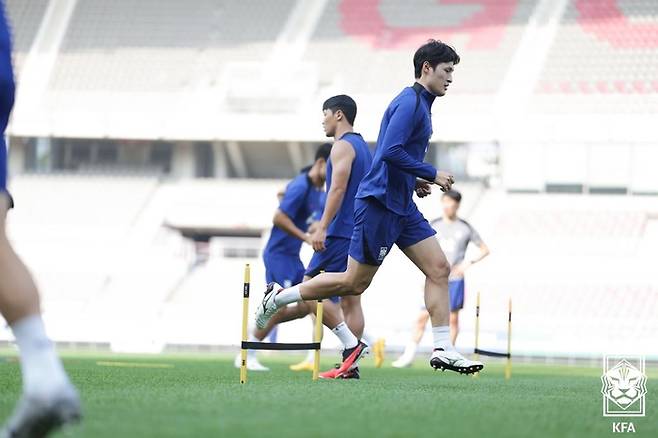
<point x="622" y="427"/>
<point x="382" y="253"/>
<point x="624" y="388"/>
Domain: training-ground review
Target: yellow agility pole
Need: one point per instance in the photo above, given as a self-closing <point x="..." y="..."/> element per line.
<point x="245" y="319"/>
<point x="318" y="339"/>
<point x="477" y="330"/>
<point x="477" y="326"/>
<point x="508" y="365"/>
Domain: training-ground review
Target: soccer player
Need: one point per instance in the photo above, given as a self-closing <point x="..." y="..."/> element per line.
<point x="49" y="399"/>
<point x="349" y="161"/>
<point x="454" y="236"/>
<point x="385" y="213"/>
<point x="300" y="202"/>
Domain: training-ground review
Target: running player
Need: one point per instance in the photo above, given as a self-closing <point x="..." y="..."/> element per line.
<point x="349" y="161"/>
<point x="385" y="213"/>
<point x="297" y="209"/>
<point x="454" y="236"/>
<point x="49" y="399"/>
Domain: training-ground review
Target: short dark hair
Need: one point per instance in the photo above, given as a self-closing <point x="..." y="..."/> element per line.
<point x="323" y="152"/>
<point x="454" y="195"/>
<point x="343" y="103"/>
<point x="435" y="52"/>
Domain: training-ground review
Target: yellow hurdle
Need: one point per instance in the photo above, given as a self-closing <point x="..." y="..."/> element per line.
<point x="245" y="320"/>
<point x="478" y="351"/>
<point x="246" y="345"/>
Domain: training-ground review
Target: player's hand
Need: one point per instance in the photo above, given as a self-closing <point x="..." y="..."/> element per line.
<point x="444" y="180"/>
<point x="460" y="269"/>
<point x="313" y="227"/>
<point x="318" y="238"/>
<point x="423" y="188"/>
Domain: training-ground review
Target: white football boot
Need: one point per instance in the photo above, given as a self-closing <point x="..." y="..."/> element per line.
<point x="404" y="361"/>
<point x="267" y="308"/>
<point x="452" y="360"/>
<point x="253" y="363"/>
<point x="36" y="415"/>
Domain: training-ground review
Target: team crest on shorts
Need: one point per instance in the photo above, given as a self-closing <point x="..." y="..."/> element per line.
<point x="382" y="253"/>
<point x="624" y="386"/>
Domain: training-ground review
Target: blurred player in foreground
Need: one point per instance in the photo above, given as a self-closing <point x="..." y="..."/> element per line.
<point x="49" y="399"/>
<point x="297" y="209"/>
<point x="385" y="213"/>
<point x="454" y="236"/>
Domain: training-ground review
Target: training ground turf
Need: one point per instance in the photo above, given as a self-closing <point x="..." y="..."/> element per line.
<point x="199" y="396"/>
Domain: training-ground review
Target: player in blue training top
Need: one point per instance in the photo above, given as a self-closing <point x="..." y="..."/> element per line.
<point x="385" y="213"/>
<point x="299" y="207"/>
<point x="49" y="400"/>
<point x="349" y="161"/>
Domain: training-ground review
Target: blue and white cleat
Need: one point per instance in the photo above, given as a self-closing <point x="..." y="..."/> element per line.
<point x="453" y="361"/>
<point x="38" y="415"/>
<point x="267" y="308"/>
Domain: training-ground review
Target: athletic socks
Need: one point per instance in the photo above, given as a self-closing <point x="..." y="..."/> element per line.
<point x="441" y="335"/>
<point x="287" y="296"/>
<point x="252" y="338"/>
<point x="410" y="349"/>
<point x="368" y="339"/>
<point x="42" y="370"/>
<point x="345" y="335"/>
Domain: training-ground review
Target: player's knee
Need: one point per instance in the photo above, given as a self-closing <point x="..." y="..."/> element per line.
<point x="439" y="272"/>
<point x="356" y="286"/>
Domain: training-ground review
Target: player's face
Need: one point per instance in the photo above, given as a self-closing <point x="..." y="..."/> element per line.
<point x="329" y="122"/>
<point x="439" y="78"/>
<point x="450" y="206"/>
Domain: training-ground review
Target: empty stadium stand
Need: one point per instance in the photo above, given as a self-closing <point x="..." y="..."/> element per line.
<point x="25" y="18"/>
<point x="602" y="60"/>
<point x="162" y="46"/>
<point x="366" y="45"/>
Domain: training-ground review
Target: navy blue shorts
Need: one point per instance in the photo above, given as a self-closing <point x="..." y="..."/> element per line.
<point x="284" y="269"/>
<point x="7" y="90"/>
<point x="456" y="289"/>
<point x="376" y="229"/>
<point x="332" y="259"/>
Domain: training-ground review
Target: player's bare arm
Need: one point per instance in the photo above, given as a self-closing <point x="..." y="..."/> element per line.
<point x="342" y="155"/>
<point x="284" y="222"/>
<point x="461" y="268"/>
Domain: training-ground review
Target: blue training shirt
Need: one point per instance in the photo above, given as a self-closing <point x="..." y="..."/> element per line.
<point x="301" y="203"/>
<point x="402" y="143"/>
<point x="343" y="223"/>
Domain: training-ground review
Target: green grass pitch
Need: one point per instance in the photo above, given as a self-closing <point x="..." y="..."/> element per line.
<point x="200" y="396"/>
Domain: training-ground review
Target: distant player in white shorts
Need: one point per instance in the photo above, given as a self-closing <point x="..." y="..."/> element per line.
<point x="454" y="235"/>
